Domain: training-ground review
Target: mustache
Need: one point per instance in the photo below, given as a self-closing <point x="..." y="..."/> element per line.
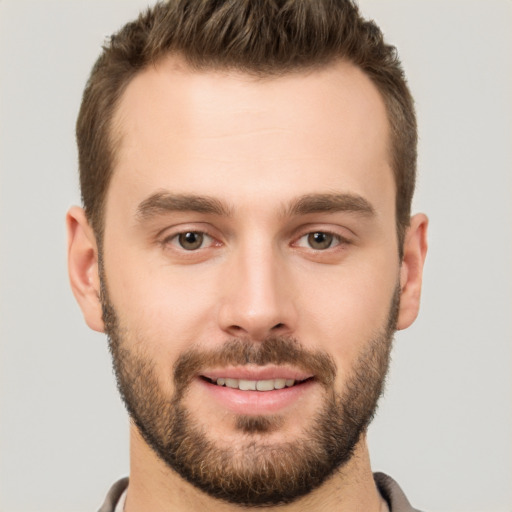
<point x="277" y="350"/>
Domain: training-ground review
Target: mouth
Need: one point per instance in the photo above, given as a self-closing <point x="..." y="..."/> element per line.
<point x="256" y="390"/>
<point x="252" y="390"/>
<point x="256" y="385"/>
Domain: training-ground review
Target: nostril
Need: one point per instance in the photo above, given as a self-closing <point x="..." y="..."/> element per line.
<point x="277" y="326"/>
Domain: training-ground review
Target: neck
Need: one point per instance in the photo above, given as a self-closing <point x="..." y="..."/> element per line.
<point x="154" y="486"/>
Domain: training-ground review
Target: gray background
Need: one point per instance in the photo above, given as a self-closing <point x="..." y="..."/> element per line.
<point x="444" y="428"/>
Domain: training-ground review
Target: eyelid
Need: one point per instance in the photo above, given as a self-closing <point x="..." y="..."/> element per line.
<point x="174" y="240"/>
<point x="303" y="231"/>
<point x="337" y="240"/>
<point x="169" y="236"/>
<point x="171" y="233"/>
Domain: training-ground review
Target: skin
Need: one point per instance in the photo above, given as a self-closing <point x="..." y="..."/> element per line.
<point x="255" y="146"/>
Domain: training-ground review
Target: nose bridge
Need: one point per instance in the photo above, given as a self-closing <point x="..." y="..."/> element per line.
<point x="257" y="301"/>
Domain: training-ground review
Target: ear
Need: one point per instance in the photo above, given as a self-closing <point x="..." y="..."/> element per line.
<point x="83" y="267"/>
<point x="411" y="270"/>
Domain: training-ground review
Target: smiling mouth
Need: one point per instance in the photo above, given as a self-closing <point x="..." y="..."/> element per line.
<point x="255" y="385"/>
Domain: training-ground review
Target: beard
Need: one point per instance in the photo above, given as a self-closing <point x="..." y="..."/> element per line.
<point x="256" y="472"/>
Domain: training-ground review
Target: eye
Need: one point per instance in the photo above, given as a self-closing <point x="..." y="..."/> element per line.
<point x="191" y="240"/>
<point x="319" y="240"/>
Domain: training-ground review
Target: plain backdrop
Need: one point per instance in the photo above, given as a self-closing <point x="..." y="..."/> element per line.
<point x="444" y="428"/>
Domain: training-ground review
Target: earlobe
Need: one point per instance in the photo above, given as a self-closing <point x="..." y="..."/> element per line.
<point x="411" y="270"/>
<point x="83" y="267"/>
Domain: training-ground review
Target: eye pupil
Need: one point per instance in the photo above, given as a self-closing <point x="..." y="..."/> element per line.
<point x="320" y="240"/>
<point x="191" y="240"/>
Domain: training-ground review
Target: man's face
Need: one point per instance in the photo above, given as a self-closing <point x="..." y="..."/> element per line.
<point x="250" y="242"/>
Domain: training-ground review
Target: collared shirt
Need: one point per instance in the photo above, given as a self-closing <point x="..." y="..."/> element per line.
<point x="388" y="488"/>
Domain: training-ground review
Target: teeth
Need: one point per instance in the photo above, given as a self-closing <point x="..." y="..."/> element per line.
<point x="279" y="383"/>
<point x="247" y="385"/>
<point x="232" y="383"/>
<point x="265" y="385"/>
<point x="255" y="385"/>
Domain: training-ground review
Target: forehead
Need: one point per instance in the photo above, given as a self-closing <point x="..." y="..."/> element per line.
<point x="181" y="129"/>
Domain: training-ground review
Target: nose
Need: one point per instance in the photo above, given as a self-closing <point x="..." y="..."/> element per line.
<point x="258" y="298"/>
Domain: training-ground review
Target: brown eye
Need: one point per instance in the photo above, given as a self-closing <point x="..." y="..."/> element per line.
<point x="320" y="241"/>
<point x="191" y="240"/>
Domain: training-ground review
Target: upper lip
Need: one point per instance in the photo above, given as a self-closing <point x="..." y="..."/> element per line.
<point x="252" y="372"/>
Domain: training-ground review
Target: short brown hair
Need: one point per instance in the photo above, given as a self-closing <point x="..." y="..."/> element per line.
<point x="263" y="37"/>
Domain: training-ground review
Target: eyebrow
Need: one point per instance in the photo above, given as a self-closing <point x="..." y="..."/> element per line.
<point x="331" y="203"/>
<point x="164" y="202"/>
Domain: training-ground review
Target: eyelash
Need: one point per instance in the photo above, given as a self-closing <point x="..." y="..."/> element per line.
<point x="174" y="239"/>
<point x="334" y="240"/>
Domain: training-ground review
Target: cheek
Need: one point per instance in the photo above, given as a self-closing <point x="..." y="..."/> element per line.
<point x="343" y="312"/>
<point x="165" y="308"/>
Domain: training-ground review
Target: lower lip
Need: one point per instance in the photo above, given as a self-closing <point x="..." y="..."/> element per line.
<point x="256" y="402"/>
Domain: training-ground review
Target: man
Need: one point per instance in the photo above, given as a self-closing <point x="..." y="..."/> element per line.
<point x="247" y="171"/>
